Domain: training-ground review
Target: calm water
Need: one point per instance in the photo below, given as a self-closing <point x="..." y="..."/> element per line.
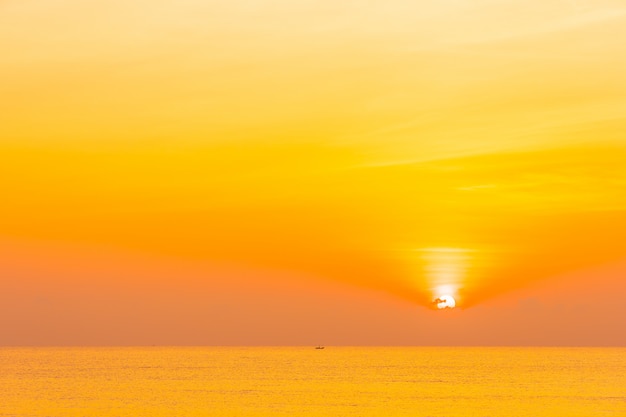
<point x="308" y="382"/>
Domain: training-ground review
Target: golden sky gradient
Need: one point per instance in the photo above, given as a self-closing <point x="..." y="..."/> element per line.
<point x="400" y="149"/>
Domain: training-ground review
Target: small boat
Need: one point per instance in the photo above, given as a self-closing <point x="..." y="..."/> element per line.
<point x="319" y="347"/>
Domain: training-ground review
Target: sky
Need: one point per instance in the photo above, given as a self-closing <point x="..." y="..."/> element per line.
<point x="312" y="172"/>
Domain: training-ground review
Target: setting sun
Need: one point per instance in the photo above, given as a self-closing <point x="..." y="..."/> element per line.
<point x="445" y="301"/>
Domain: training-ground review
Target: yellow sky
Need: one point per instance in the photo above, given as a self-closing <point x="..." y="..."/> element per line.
<point x="399" y="145"/>
<point x="402" y="79"/>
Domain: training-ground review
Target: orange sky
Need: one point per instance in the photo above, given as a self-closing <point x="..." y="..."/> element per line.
<point x="305" y="172"/>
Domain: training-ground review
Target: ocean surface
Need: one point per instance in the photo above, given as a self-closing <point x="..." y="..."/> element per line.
<point x="303" y="381"/>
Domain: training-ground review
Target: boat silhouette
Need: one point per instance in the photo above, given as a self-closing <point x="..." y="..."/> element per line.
<point x="319" y="347"/>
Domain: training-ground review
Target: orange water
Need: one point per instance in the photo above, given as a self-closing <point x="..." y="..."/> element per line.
<point x="307" y="382"/>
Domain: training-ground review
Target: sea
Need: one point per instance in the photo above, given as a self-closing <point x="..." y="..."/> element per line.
<point x="304" y="381"/>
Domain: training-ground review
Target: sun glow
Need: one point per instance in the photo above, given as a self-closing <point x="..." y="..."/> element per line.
<point x="445" y="301"/>
<point x="445" y="270"/>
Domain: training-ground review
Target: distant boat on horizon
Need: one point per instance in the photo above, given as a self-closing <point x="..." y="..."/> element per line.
<point x="319" y="347"/>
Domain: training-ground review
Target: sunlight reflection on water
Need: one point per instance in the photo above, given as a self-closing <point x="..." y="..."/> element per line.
<point x="304" y="381"/>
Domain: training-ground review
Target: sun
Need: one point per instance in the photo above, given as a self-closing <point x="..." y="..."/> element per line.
<point x="445" y="301"/>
